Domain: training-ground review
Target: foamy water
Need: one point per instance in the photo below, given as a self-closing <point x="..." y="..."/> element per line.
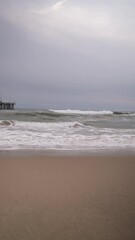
<point x="66" y="130"/>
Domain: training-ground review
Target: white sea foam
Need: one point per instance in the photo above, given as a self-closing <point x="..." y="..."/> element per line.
<point x="69" y="111"/>
<point x="64" y="136"/>
<point x="5" y="123"/>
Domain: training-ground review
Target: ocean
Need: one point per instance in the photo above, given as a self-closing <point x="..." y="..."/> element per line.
<point x="70" y="130"/>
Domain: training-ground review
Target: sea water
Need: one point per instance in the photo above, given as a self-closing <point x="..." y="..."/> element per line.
<point x="66" y="130"/>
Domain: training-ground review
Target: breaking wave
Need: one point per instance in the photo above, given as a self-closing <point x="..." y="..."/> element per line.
<point x="82" y="112"/>
<point x="66" y="129"/>
<point x="77" y="125"/>
<point x="64" y="136"/>
<point x="58" y="115"/>
<point x="5" y="123"/>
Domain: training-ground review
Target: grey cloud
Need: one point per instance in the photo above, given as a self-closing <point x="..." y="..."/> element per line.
<point x="71" y="71"/>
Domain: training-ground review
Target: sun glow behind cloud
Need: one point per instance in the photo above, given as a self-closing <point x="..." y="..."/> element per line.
<point x="65" y="20"/>
<point x="71" y="20"/>
<point x="47" y="10"/>
<point x="80" y="21"/>
<point x="58" y="5"/>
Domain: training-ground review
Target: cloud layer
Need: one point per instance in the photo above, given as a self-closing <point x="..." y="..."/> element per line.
<point x="69" y="53"/>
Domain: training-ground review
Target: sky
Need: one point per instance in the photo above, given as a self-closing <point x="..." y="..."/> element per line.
<point x="68" y="54"/>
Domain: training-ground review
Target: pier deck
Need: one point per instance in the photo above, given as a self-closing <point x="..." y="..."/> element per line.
<point x="6" y="105"/>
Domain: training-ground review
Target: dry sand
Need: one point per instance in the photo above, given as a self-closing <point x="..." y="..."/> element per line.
<point x="67" y="198"/>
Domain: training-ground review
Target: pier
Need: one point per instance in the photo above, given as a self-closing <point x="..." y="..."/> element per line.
<point x="7" y="105"/>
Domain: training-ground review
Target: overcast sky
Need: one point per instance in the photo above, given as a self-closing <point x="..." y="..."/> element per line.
<point x="68" y="54"/>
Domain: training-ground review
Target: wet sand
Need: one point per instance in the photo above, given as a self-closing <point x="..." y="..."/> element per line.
<point x="67" y="198"/>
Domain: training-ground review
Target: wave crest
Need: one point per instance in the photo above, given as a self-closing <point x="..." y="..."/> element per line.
<point x="7" y="123"/>
<point x="77" y="125"/>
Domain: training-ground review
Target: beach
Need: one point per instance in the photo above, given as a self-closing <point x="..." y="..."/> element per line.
<point x="63" y="197"/>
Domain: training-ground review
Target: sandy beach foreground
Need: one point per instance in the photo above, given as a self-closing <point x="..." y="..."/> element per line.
<point x="67" y="198"/>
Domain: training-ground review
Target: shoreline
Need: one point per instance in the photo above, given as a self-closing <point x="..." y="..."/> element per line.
<point x="70" y="153"/>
